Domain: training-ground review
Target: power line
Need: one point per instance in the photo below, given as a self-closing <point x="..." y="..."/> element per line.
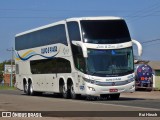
<point x="141" y="16"/>
<point x="150" y="41"/>
<point x="150" y="10"/>
<point x="32" y="17"/>
<point x="151" y="44"/>
<point x="51" y="17"/>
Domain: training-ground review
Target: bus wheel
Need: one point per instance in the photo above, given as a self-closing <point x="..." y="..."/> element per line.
<point x="64" y="91"/>
<point x="26" y="90"/>
<point x="72" y="93"/>
<point x="115" y="96"/>
<point x="31" y="92"/>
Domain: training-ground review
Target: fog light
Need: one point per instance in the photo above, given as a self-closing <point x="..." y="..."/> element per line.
<point x="91" y="88"/>
<point x="132" y="86"/>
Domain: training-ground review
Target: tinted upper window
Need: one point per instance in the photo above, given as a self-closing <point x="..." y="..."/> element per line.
<point x="51" y="35"/>
<point x="105" y="31"/>
<point x="73" y="30"/>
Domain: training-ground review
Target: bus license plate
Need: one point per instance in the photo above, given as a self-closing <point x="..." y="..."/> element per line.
<point x="113" y="90"/>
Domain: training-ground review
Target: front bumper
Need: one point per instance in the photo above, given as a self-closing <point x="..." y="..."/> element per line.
<point x="96" y="90"/>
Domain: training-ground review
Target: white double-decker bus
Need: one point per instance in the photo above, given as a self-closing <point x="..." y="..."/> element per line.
<point x="77" y="56"/>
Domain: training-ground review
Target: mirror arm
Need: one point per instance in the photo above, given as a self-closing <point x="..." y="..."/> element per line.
<point x="139" y="46"/>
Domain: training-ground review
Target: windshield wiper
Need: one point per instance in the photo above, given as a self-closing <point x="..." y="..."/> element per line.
<point x="92" y="73"/>
<point x="111" y="75"/>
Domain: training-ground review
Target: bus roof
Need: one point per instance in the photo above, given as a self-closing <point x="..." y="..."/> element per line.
<point x="69" y="19"/>
<point x="94" y="18"/>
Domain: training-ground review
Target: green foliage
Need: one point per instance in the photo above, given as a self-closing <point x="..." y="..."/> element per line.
<point x="157" y="81"/>
<point x="7" y="88"/>
<point x="157" y="72"/>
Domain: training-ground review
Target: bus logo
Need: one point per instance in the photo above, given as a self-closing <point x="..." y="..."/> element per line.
<point x="49" y="50"/>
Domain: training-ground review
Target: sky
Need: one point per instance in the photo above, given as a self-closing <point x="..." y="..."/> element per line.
<point x="141" y="16"/>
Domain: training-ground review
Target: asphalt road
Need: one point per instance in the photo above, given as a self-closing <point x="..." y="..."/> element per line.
<point x="15" y="100"/>
<point x="138" y="99"/>
<point x="135" y="102"/>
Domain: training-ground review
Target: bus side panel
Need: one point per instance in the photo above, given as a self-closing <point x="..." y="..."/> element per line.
<point x="51" y="83"/>
<point x="22" y="71"/>
<point x="19" y="82"/>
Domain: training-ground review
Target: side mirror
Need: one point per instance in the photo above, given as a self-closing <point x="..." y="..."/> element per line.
<point x="139" y="46"/>
<point x="84" y="48"/>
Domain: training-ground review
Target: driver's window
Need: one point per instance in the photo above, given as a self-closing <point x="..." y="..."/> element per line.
<point x="81" y="63"/>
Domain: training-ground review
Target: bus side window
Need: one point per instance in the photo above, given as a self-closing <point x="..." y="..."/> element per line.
<point x="73" y="31"/>
<point x="78" y="58"/>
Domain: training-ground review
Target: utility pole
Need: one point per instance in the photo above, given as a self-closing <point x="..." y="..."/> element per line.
<point x="11" y="76"/>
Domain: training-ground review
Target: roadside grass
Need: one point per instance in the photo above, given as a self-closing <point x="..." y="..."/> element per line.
<point x="7" y="88"/>
<point x="157" y="87"/>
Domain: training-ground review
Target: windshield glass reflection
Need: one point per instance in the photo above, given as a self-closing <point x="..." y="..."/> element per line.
<point x="110" y="62"/>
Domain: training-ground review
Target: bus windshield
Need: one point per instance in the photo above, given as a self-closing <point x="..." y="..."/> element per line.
<point x="115" y="62"/>
<point x="105" y="31"/>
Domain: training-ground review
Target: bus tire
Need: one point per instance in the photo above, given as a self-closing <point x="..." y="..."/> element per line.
<point x="64" y="91"/>
<point x="31" y="91"/>
<point x="26" y="90"/>
<point x="72" y="93"/>
<point x="115" y="96"/>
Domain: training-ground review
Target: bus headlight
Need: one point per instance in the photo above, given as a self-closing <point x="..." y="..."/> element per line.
<point x="89" y="81"/>
<point x="91" y="88"/>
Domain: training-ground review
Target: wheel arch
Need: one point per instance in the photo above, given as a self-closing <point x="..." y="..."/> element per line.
<point x="61" y="81"/>
<point x="30" y="80"/>
<point x="69" y="81"/>
<point x="25" y="80"/>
